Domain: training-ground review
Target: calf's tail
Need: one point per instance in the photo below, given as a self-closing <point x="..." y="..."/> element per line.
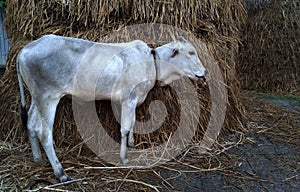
<point x="24" y="115"/>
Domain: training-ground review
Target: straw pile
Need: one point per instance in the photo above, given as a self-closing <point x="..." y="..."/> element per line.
<point x="269" y="60"/>
<point x="216" y="23"/>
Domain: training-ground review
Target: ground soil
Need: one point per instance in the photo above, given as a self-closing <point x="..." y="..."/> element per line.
<point x="265" y="158"/>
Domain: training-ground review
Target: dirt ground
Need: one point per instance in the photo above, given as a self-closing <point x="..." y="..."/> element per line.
<point x="266" y="158"/>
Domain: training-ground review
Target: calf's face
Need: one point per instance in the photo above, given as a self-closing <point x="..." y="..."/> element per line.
<point x="184" y="56"/>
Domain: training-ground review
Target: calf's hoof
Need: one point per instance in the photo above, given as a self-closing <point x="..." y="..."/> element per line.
<point x="64" y="178"/>
<point x="126" y="163"/>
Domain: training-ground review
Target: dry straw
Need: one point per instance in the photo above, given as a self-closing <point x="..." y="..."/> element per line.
<point x="270" y="55"/>
<point x="216" y="23"/>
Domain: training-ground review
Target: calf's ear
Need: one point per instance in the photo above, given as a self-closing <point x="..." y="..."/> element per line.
<point x="181" y="39"/>
<point x="174" y="53"/>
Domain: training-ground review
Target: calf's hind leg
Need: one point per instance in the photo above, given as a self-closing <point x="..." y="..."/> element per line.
<point x="47" y="110"/>
<point x="34" y="125"/>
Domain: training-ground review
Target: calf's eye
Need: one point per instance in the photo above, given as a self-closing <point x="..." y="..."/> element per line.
<point x="192" y="53"/>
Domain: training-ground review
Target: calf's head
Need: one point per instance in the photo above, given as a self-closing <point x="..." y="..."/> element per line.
<point x="180" y="59"/>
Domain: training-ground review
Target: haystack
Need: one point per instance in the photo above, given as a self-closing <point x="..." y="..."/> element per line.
<point x="217" y="24"/>
<point x="269" y="60"/>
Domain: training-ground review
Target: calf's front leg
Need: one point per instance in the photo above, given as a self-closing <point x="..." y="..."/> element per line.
<point x="127" y="123"/>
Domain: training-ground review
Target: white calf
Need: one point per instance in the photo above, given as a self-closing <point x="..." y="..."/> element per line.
<point x="54" y="66"/>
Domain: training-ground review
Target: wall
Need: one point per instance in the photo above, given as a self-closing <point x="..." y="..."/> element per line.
<point x="256" y="5"/>
<point x="4" y="43"/>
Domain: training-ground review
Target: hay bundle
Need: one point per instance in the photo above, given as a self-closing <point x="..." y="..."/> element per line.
<point x="215" y="23"/>
<point x="269" y="60"/>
